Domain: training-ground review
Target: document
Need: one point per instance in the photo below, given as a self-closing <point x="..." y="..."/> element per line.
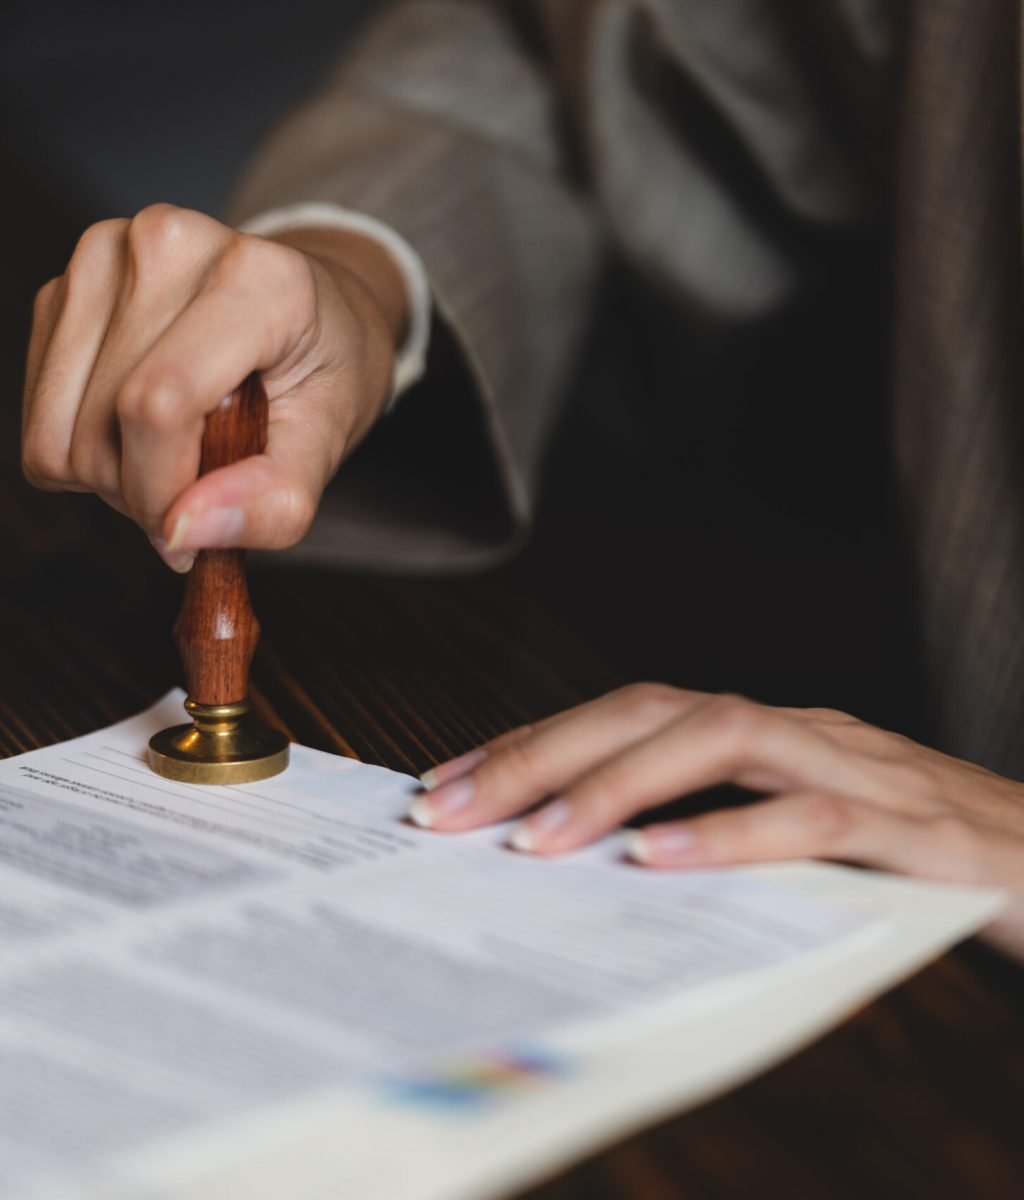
<point x="185" y="972"/>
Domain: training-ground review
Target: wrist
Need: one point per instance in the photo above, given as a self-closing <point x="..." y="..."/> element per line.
<point x="346" y="254"/>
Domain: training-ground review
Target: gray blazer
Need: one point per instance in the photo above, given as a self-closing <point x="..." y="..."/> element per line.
<point x="515" y="144"/>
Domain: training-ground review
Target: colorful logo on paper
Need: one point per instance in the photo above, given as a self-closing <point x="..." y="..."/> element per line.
<point x="482" y="1079"/>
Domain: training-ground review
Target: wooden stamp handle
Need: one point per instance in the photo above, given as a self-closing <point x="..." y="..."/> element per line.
<point x="217" y="631"/>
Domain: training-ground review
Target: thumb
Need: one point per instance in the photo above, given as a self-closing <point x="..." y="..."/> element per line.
<point x="265" y="502"/>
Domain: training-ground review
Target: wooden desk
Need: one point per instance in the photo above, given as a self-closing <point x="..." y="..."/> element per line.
<point x="921" y="1095"/>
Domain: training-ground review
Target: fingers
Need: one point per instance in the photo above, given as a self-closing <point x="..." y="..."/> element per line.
<point x="251" y="314"/>
<point x="848" y="792"/>
<point x="164" y="252"/>
<point x="124" y="284"/>
<point x="429" y="812"/>
<point x="266" y="502"/>
<point x="45" y="311"/>
<point x="717" y="740"/>
<point x="516" y="771"/>
<point x="456" y="768"/>
<point x="71" y="319"/>
<point x="726" y="740"/>
<point x="640" y="747"/>
<point x="155" y="320"/>
<point x="622" y="697"/>
<point x="818" y="824"/>
<point x="803" y="824"/>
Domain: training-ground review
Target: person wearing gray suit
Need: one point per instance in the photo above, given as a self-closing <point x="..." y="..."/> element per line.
<point x="491" y="163"/>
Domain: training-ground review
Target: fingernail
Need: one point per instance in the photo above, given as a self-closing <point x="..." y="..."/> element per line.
<point x="420" y="813"/>
<point x="177" y="538"/>
<point x="180" y="561"/>
<point x="207" y="530"/>
<point x="455" y="768"/>
<point x="529" y="837"/>
<point x="425" y="811"/>
<point x="654" y="845"/>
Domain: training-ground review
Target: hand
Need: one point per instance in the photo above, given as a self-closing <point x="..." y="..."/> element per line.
<point x="839" y="789"/>
<point x="156" y="320"/>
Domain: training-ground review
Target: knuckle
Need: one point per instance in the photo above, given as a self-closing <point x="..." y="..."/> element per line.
<point x="153" y="403"/>
<point x="512" y="736"/>
<point x="256" y="261"/>
<point x="517" y="765"/>
<point x="293" y="510"/>
<point x="831" y="716"/>
<point x="94" y="259"/>
<point x="737" y="717"/>
<point x="246" y="254"/>
<point x="156" y="223"/>
<point x="97" y="246"/>
<point x="156" y="233"/>
<point x="240" y="257"/>
<point x="652" y="700"/>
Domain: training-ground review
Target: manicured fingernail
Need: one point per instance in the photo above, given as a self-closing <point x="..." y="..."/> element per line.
<point x="207" y="530"/>
<point x="180" y="560"/>
<point x="530" y="837"/>
<point x="426" y="811"/>
<point x="455" y="768"/>
<point x="654" y="845"/>
<point x="420" y="813"/>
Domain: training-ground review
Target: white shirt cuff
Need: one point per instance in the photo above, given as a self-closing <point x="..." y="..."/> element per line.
<point x="411" y="357"/>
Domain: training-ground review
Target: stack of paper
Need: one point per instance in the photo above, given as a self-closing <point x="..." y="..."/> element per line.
<point x="282" y="989"/>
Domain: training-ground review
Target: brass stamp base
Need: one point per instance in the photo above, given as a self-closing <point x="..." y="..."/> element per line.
<point x="223" y="745"/>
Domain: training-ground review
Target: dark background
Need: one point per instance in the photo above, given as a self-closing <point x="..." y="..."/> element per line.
<point x="111" y="105"/>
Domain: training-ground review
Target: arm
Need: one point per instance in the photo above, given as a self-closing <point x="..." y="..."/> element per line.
<point x="826" y="786"/>
<point x="440" y="125"/>
<point x="158" y="317"/>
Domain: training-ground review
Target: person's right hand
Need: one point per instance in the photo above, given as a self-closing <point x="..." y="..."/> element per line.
<point x="155" y="320"/>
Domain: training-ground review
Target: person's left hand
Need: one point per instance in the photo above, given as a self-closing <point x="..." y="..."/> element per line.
<point x="838" y="789"/>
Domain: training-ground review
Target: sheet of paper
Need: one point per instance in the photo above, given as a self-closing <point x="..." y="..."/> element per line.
<point x="177" y="961"/>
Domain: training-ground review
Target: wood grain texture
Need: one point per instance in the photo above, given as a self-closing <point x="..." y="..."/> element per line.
<point x="920" y="1094"/>
<point x="217" y="631"/>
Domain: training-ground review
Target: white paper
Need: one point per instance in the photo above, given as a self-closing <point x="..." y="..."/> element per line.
<point x="177" y="961"/>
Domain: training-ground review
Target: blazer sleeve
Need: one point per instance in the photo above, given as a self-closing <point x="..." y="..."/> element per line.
<point x="442" y="123"/>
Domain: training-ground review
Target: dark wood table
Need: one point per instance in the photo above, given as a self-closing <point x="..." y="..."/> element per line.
<point x="920" y="1095"/>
